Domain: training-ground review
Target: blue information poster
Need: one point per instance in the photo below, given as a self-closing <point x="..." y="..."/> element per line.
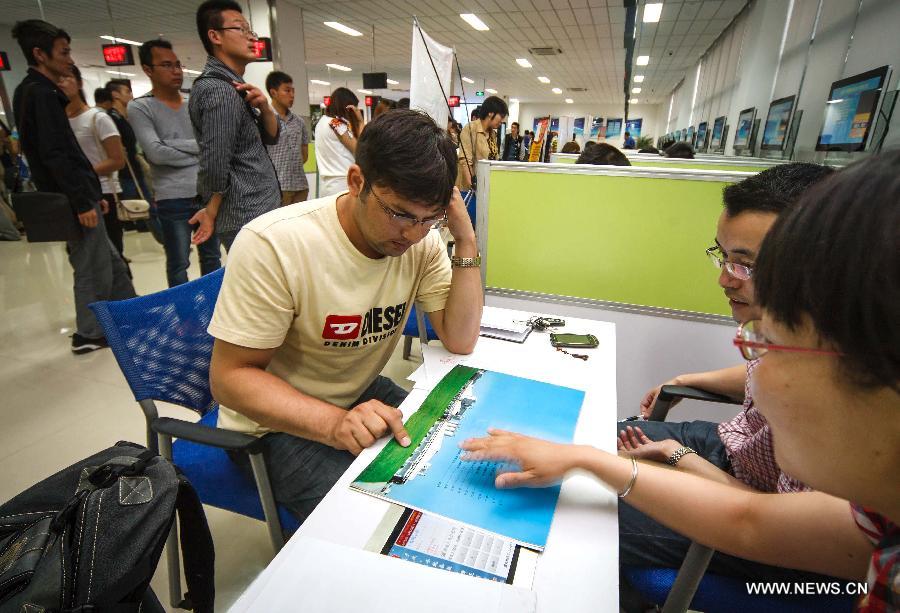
<point x="596" y="122"/>
<point x="613" y="127"/>
<point x="430" y="475"/>
<point x="578" y="126"/>
<point x="554" y="124"/>
<point x="633" y="127"/>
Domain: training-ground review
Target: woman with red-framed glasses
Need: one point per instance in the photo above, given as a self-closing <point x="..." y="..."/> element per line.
<point x="827" y="381"/>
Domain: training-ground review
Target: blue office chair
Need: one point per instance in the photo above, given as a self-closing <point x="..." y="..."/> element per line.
<point x="690" y="586"/>
<point x="417" y="325"/>
<point x="161" y="345"/>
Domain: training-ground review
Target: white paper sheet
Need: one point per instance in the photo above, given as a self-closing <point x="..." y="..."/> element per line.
<point x="322" y="576"/>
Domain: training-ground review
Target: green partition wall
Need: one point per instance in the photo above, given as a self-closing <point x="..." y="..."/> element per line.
<point x="635" y="236"/>
<point x="310" y="165"/>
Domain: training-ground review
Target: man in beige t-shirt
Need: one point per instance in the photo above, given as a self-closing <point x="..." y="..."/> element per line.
<point x="315" y="298"/>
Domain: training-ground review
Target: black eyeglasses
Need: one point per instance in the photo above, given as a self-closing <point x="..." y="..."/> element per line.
<point x="244" y="30"/>
<point x="407" y="220"/>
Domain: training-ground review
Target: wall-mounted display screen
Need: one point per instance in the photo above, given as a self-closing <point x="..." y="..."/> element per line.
<point x="744" y="128"/>
<point x="777" y="121"/>
<point x="851" y="110"/>
<point x="701" y="134"/>
<point x="717" y="132"/>
<point x="690" y="136"/>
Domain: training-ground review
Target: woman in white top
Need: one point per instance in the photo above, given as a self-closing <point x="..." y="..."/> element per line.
<point x="102" y="144"/>
<point x="336" y="135"/>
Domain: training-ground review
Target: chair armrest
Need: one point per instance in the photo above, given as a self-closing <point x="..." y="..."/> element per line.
<point x="205" y="435"/>
<point x="669" y="393"/>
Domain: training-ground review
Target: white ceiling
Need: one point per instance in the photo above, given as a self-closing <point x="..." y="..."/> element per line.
<point x="589" y="32"/>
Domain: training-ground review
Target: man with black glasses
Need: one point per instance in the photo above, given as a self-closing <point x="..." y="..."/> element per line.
<point x="163" y="128"/>
<point x="739" y="452"/>
<point x="314" y="301"/>
<point x="232" y="122"/>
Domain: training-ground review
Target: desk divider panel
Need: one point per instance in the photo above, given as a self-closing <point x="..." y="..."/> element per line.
<point x="310" y="165"/>
<point x="627" y="236"/>
<point x="723" y="163"/>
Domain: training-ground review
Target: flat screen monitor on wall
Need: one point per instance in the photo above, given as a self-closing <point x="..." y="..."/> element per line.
<point x="851" y="110"/>
<point x="690" y="136"/>
<point x="717" y="132"/>
<point x="777" y="122"/>
<point x="744" y="128"/>
<point x="701" y="134"/>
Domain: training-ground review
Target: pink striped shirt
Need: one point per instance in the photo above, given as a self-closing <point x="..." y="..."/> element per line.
<point x="748" y="441"/>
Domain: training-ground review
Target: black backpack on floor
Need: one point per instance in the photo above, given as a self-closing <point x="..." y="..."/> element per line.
<point x="88" y="539"/>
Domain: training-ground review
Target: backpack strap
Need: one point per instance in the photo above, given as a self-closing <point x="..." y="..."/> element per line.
<point x="217" y="77"/>
<point x="197" y="550"/>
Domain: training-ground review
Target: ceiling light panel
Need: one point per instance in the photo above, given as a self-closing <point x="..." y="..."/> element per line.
<point x="339" y="67"/>
<point x="474" y="21"/>
<point x="543" y="79"/>
<point x="652" y="12"/>
<point x="523" y="62"/>
<point x="342" y="28"/>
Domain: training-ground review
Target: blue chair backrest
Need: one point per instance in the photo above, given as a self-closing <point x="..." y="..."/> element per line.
<point x="161" y="343"/>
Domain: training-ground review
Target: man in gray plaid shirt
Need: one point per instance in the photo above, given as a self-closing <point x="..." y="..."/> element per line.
<point x="292" y="149"/>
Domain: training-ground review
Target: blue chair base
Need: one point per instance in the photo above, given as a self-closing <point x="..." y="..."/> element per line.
<point x="412" y="327"/>
<point x="220" y="482"/>
<point x="718" y="594"/>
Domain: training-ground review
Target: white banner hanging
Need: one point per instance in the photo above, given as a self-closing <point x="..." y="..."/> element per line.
<point x="425" y="86"/>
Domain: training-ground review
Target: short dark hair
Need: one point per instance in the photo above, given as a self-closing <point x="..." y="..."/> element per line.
<point x="515" y="123"/>
<point x="402" y="103"/>
<point x="650" y="149"/>
<point x="680" y="150"/>
<point x="114" y="84"/>
<point x="849" y="225"/>
<point x="492" y="104"/>
<point x="209" y="17"/>
<point x="774" y="189"/>
<point x="627" y="133"/>
<point x="33" y="33"/>
<point x="571" y="147"/>
<point x="406" y="152"/>
<point x="145" y="52"/>
<point x="276" y="79"/>
<point x="102" y="96"/>
<point x="602" y="154"/>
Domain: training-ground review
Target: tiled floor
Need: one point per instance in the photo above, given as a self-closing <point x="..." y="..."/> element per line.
<point x="57" y="408"/>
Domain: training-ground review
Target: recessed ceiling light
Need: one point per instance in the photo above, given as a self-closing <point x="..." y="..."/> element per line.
<point x="342" y="28"/>
<point x="392" y="82"/>
<point x="523" y="62"/>
<point x="120" y="73"/>
<point x="635" y="90"/>
<point x="490" y="91"/>
<point x="189" y="71"/>
<point x="474" y="21"/>
<point x="364" y="91"/>
<point x="638" y="78"/>
<point x="633" y="101"/>
<point x="543" y="79"/>
<point x="557" y="90"/>
<point x="121" y="40"/>
<point x="569" y="101"/>
<point x="468" y="80"/>
<point x="652" y="12"/>
<point x="339" y="67"/>
<point x="642" y="60"/>
<point x="514" y="100"/>
<point x="318" y="82"/>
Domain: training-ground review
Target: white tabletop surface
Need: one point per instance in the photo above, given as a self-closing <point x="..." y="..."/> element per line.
<point x="579" y="568"/>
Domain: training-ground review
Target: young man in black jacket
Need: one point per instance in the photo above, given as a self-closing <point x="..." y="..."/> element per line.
<point x="58" y="165"/>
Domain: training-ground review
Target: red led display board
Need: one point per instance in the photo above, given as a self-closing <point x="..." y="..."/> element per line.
<point x="262" y="48"/>
<point x="368" y="100"/>
<point x="453" y="100"/>
<point x="4" y="61"/>
<point x="327" y="100"/>
<point x="118" y="54"/>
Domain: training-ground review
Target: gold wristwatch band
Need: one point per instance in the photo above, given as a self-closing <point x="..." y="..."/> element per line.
<point x="457" y="262"/>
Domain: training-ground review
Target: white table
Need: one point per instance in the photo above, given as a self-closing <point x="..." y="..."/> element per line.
<point x="579" y="568"/>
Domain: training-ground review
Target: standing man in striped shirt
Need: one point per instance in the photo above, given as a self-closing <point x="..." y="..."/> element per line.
<point x="233" y="122"/>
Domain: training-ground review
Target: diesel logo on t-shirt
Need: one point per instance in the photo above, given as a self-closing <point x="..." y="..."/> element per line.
<point x="352" y="330"/>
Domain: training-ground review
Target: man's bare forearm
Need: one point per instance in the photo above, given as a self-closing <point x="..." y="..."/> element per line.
<point x="462" y="313"/>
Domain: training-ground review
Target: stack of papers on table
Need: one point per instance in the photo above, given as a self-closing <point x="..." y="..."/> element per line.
<point x="499" y="325"/>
